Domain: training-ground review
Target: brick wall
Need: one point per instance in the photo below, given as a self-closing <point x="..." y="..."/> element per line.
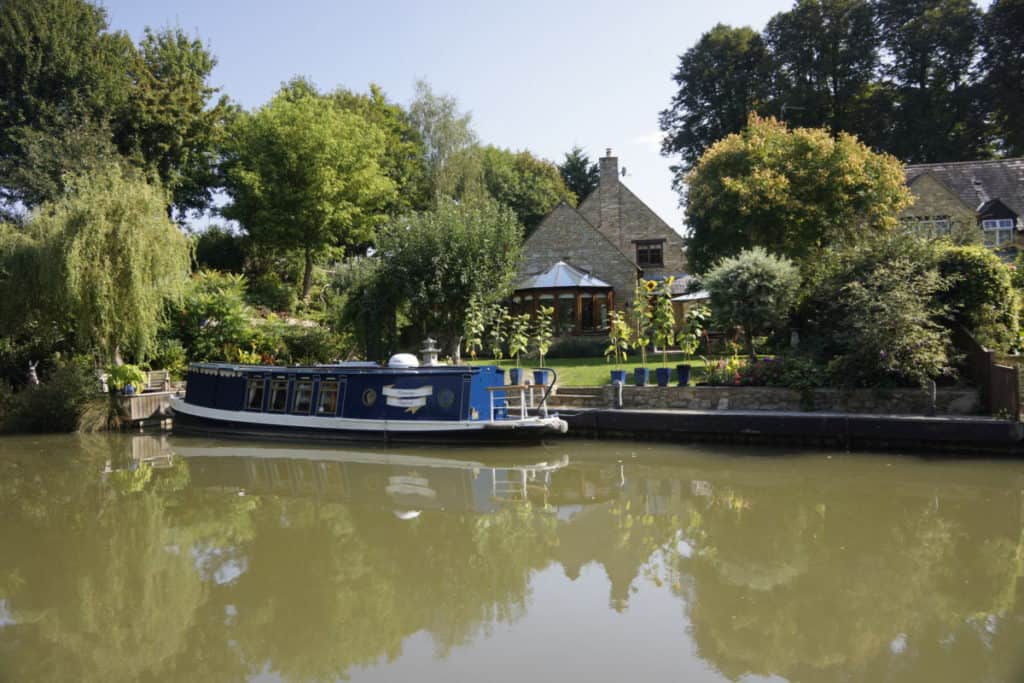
<point x="622" y="217"/>
<point x="564" y="235"/>
<point x="894" y="402"/>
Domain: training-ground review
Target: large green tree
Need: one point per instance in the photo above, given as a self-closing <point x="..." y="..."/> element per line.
<point x="721" y="80"/>
<point x="174" y="121"/>
<point x="824" y="57"/>
<point x="793" y="192"/>
<point x="305" y="174"/>
<point x="64" y="78"/>
<point x="581" y="176"/>
<point x="932" y="48"/>
<point x="442" y="259"/>
<point x="529" y="186"/>
<point x="1003" y="64"/>
<point x="106" y="258"/>
<point x="404" y="158"/>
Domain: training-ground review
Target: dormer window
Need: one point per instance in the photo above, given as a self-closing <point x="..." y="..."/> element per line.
<point x="650" y="253"/>
<point x="998" y="232"/>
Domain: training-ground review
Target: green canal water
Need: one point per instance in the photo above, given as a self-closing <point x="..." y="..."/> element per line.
<point x="141" y="558"/>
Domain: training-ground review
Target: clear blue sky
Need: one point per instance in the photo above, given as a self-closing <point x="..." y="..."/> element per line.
<point x="536" y="75"/>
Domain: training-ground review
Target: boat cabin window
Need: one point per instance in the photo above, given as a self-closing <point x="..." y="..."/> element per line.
<point x="254" y="395"/>
<point x="328" y="403"/>
<point x="303" y="397"/>
<point x="278" y="395"/>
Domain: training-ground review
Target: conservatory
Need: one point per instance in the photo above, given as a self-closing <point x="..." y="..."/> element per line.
<point x="580" y="300"/>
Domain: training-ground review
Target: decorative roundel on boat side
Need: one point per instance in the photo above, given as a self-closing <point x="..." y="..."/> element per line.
<point x="446" y="398"/>
<point x="369" y="397"/>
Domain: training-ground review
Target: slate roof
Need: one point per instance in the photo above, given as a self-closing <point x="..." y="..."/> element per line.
<point x="561" y="275"/>
<point x="978" y="182"/>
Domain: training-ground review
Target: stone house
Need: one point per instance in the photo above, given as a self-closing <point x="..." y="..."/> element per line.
<point x="974" y="195"/>
<point x="585" y="261"/>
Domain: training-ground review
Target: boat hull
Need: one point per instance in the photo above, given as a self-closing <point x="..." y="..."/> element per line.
<point x="200" y="420"/>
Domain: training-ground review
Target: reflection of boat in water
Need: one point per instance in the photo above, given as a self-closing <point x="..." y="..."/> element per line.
<point x="399" y="403"/>
<point x="406" y="484"/>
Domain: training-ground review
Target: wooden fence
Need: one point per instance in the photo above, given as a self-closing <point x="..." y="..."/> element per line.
<point x="999" y="384"/>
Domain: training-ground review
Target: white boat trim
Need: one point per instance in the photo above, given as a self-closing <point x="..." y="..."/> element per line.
<point x="179" y="405"/>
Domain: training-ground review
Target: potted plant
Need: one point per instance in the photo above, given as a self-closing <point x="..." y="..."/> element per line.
<point x="619" y="339"/>
<point x="127" y="379"/>
<point x="642" y="328"/>
<point x="518" y="342"/>
<point x="663" y="324"/>
<point x="694" y="329"/>
<point x="542" y="336"/>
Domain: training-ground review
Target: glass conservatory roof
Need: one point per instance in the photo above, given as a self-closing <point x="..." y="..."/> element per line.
<point x="561" y="275"/>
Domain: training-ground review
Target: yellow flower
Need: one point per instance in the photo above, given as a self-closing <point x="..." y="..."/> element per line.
<point x="650" y="285"/>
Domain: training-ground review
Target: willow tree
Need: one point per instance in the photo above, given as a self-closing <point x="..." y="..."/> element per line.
<point x="109" y="259"/>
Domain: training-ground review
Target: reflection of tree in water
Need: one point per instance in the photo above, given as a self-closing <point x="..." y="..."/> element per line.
<point x="827" y="582"/>
<point x="137" y="573"/>
<point x="107" y="588"/>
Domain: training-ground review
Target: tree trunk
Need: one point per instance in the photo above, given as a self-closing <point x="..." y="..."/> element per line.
<point x="307" y="275"/>
<point x="457" y="350"/>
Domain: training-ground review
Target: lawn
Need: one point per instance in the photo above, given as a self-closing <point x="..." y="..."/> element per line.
<point x="592" y="372"/>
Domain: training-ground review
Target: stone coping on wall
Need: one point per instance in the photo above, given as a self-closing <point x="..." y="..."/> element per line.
<point x="955" y="401"/>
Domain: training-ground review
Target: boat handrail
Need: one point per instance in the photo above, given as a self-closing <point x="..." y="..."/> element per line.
<point x="543" y="403"/>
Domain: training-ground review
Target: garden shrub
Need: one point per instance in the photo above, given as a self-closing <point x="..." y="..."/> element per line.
<point x="790" y="371"/>
<point x="872" y="313"/>
<point x="270" y="291"/>
<point x="217" y="248"/>
<point x="213" y="316"/>
<point x="311" y="345"/>
<point x="169" y="354"/>
<point x="980" y="295"/>
<point x="753" y="290"/>
<point x="56" y="404"/>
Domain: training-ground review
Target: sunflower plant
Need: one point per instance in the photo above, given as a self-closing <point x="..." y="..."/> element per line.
<point x="541" y="331"/>
<point x="642" y="317"/>
<point x="663" y="317"/>
<point x="619" y="338"/>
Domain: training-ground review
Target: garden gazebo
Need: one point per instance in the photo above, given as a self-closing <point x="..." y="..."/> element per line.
<point x="581" y="301"/>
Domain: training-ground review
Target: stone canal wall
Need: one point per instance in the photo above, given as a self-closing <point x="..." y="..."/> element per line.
<point x="889" y="402"/>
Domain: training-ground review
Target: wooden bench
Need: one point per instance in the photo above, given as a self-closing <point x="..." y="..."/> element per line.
<point x="158" y="380"/>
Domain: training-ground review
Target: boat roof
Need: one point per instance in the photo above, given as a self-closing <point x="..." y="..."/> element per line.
<point x="333" y="368"/>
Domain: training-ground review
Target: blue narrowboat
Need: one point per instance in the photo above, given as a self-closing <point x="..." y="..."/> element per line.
<point x="400" y="402"/>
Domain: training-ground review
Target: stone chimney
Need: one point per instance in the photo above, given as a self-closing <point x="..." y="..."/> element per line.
<point x="611" y="223"/>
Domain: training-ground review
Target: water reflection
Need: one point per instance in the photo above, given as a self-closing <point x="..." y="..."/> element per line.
<point x="169" y="559"/>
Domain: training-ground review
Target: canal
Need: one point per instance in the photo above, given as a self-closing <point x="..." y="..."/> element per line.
<point x="142" y="558"/>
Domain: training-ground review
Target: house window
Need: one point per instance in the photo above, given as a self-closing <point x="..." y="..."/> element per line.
<point x="254" y="395"/>
<point x="303" y="397"/>
<point x="328" y="402"/>
<point x="998" y="232"/>
<point x="650" y="254"/>
<point x="278" y="395"/>
<point x="929" y="226"/>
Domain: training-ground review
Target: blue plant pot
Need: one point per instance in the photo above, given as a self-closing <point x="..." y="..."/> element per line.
<point x="683" y="372"/>
<point x="663" y="376"/>
<point x="540" y="377"/>
<point x="641" y="376"/>
<point x="515" y="376"/>
<point x="618" y="376"/>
